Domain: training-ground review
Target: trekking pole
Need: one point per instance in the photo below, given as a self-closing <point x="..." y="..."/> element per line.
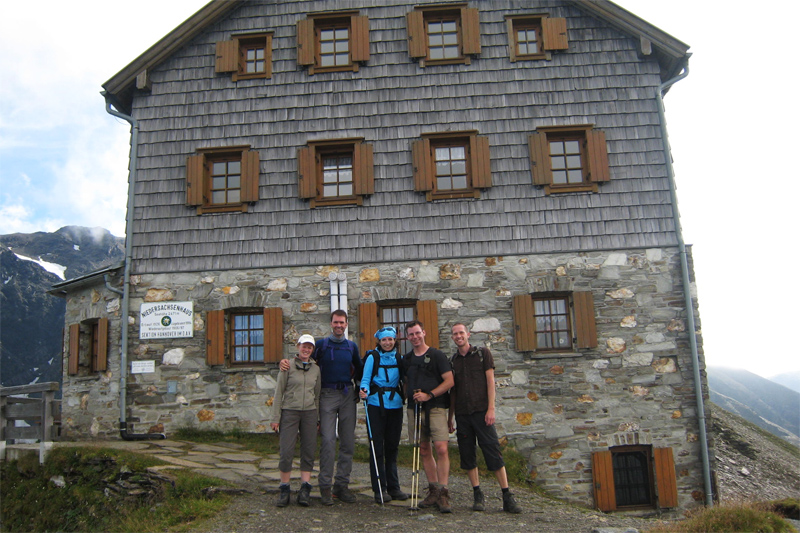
<point x="415" y="459"/>
<point x="372" y="449"/>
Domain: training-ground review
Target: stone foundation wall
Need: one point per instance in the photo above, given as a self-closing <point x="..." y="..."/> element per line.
<point x="636" y="387"/>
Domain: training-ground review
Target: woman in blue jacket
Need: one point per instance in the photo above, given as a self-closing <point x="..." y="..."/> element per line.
<point x="381" y="386"/>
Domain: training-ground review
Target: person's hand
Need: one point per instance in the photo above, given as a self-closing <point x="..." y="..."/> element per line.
<point x="284" y="365"/>
<point x="451" y="426"/>
<point x="363" y="394"/>
<point x="275" y="426"/>
<point x="489" y="418"/>
<point x="422" y="396"/>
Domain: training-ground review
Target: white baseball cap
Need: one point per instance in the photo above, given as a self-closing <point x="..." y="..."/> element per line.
<point x="306" y="339"/>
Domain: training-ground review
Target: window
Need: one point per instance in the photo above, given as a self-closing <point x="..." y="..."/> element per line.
<point x="568" y="158"/>
<point x="335" y="172"/>
<point x="333" y="41"/>
<point x="451" y="165"/>
<point x="246" y="56"/>
<point x="444" y="34"/>
<point x="244" y="337"/>
<point x="535" y="36"/>
<point x="88" y="344"/>
<point x="373" y="316"/>
<point x="630" y="477"/>
<point x="222" y="179"/>
<point x="554" y="322"/>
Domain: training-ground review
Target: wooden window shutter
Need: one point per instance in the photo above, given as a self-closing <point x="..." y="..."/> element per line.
<point x="423" y="165"/>
<point x="480" y="161"/>
<point x="666" y="482"/>
<point x="250" y="175"/>
<point x="524" y="327"/>
<point x="585" y="326"/>
<point x="102" y="345"/>
<point x="428" y="314"/>
<point x="367" y="324"/>
<point x="215" y="338"/>
<point x="195" y="170"/>
<point x="306" y="172"/>
<point x="359" y="40"/>
<point x="512" y="40"/>
<point x="273" y="334"/>
<point x="364" y="178"/>
<point x="554" y="34"/>
<point x="540" y="158"/>
<point x="74" y="348"/>
<point x="470" y="31"/>
<point x="605" y="499"/>
<point x="227" y="56"/>
<point x="417" y="36"/>
<point x="305" y="42"/>
<point x="597" y="152"/>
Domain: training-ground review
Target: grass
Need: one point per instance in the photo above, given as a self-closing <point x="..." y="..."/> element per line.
<point x="31" y="501"/>
<point x="739" y="518"/>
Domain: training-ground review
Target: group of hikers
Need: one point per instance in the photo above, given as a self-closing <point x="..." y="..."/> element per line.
<point x="320" y="390"/>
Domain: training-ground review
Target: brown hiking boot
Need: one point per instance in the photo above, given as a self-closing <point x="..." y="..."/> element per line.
<point x="325" y="495"/>
<point x="431" y="499"/>
<point x="444" y="501"/>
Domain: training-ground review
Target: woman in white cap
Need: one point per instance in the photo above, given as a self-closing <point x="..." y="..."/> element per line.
<point x="381" y="386"/>
<point x="295" y="409"/>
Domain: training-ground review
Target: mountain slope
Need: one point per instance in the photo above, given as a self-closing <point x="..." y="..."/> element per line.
<point x="765" y="403"/>
<point x="31" y="321"/>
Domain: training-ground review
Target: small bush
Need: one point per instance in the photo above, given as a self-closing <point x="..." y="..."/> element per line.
<point x="743" y="518"/>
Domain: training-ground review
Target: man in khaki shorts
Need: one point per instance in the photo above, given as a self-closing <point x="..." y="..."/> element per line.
<point x="428" y="378"/>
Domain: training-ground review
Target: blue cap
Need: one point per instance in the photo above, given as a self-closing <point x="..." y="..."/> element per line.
<point x="388" y="331"/>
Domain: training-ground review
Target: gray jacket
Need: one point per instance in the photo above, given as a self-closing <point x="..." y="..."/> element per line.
<point x="297" y="389"/>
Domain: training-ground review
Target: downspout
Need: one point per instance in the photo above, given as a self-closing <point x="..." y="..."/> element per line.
<point x="343" y="297"/>
<point x="123" y="363"/>
<point x="687" y="294"/>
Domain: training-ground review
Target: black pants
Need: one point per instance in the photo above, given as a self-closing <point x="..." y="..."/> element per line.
<point x="386" y="426"/>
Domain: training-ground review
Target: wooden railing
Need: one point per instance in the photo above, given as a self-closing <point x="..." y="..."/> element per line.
<point x="39" y="413"/>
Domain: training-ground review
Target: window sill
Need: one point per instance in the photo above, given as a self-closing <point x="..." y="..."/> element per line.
<point x="352" y="67"/>
<point x="466" y="60"/>
<point x="317" y="202"/>
<point x="545" y="56"/>
<point x="254" y="76"/>
<point x="433" y="196"/>
<point x="558" y="189"/>
<point x="222" y="209"/>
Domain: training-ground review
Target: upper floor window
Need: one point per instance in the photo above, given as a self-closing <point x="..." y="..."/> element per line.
<point x="554" y="322"/>
<point x="634" y="477"/>
<point x="568" y="158"/>
<point x="451" y="164"/>
<point x="236" y="337"/>
<point x="535" y="36"/>
<point x="374" y="315"/>
<point x="247" y="56"/>
<point x="443" y="34"/>
<point x="335" y="172"/>
<point x="333" y="41"/>
<point x="222" y="179"/>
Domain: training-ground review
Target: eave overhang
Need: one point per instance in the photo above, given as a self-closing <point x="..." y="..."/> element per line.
<point x="92" y="278"/>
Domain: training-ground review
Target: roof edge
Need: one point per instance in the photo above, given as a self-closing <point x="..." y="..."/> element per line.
<point x="62" y="288"/>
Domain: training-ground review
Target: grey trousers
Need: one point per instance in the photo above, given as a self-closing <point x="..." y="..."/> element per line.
<point x="336" y="405"/>
<point x="294" y="423"/>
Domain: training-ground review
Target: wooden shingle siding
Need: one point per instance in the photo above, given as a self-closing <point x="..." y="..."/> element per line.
<point x="599" y="79"/>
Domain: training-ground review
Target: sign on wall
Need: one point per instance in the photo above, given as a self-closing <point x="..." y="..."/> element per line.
<point x="143" y="367"/>
<point x="162" y="320"/>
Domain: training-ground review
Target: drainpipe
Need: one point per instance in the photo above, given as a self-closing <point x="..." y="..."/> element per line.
<point x="123" y="363"/>
<point x="343" y="297"/>
<point x="698" y="387"/>
<point x="339" y="293"/>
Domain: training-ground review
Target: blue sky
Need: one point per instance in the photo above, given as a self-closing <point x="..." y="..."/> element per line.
<point x="63" y="159"/>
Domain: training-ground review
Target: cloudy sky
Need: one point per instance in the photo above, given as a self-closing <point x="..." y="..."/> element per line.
<point x="63" y="159"/>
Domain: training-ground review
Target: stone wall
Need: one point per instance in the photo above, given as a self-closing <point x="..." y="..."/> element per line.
<point x="636" y="387"/>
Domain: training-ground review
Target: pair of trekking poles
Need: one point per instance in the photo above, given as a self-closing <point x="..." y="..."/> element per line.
<point x="415" y="457"/>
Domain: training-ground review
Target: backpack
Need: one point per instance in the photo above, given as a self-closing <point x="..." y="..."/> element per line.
<point x="373" y="388"/>
<point x="425" y="375"/>
<point x="473" y="348"/>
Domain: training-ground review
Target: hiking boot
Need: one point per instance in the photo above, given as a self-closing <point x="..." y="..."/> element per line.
<point x="344" y="494"/>
<point x="432" y="497"/>
<point x="398" y="495"/>
<point x="283" y="497"/>
<point x="510" y="504"/>
<point x="325" y="496"/>
<point x="444" y="501"/>
<point x="304" y="495"/>
<point x="478" y="504"/>
<point x="386" y="497"/>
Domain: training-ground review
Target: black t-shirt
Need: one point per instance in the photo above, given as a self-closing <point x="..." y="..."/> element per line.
<point x="424" y="372"/>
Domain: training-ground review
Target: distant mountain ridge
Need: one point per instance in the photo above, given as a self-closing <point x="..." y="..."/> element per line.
<point x="763" y="402"/>
<point x="31" y="321"/>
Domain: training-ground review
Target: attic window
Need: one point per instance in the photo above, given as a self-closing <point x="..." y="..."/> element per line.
<point x="443" y="34"/>
<point x="246" y="56"/>
<point x="568" y="158"/>
<point x="535" y="36"/>
<point x="330" y="42"/>
<point x="222" y="179"/>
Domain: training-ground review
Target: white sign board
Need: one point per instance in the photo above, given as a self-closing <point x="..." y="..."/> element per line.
<point x="143" y="367"/>
<point x="163" y="320"/>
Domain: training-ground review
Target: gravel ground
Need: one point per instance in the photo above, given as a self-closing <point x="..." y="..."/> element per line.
<point x="256" y="511"/>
